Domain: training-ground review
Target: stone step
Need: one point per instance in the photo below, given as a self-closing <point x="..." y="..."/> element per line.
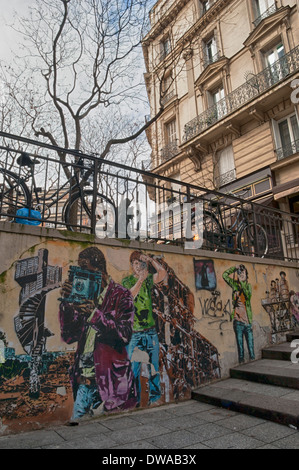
<point x="273" y="372"/>
<point x="292" y="335"/>
<point x="278" y="404"/>
<point x="278" y="352"/>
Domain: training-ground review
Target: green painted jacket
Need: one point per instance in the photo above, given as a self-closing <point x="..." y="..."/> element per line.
<point x="237" y="285"/>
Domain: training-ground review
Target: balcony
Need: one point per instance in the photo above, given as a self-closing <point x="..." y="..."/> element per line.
<point x="254" y="87"/>
<point x="169" y="151"/>
<point x="264" y="15"/>
<point x="168" y="97"/>
<point x="210" y="59"/>
<point x="287" y="150"/>
<point x="225" y="178"/>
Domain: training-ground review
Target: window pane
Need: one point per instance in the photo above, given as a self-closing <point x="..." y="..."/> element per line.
<point x="295" y="128"/>
<point x="284" y="133"/>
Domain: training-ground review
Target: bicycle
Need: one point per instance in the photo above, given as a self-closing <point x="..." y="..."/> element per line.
<point x="76" y="198"/>
<point x="243" y="235"/>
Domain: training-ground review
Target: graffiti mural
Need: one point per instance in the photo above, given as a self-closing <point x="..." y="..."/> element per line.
<point x="36" y="279"/>
<point x="237" y="278"/>
<point x="217" y="310"/>
<point x="205" y="276"/>
<point x="97" y="314"/>
<point x="112" y="345"/>
<point x="173" y="357"/>
<point x="281" y="304"/>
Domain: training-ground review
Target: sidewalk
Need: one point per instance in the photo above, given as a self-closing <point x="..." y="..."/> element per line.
<point x="187" y="425"/>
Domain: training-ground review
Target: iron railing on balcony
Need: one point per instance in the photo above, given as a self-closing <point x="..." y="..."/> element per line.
<point x="225" y="178"/>
<point x="112" y="200"/>
<point x="210" y="59"/>
<point x="169" y="151"/>
<point x="287" y="150"/>
<point x="254" y="87"/>
<point x="272" y="9"/>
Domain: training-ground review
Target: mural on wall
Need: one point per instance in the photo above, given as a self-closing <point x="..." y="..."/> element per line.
<point x="119" y="345"/>
<point x="282" y="305"/>
<point x="205" y="276"/>
<point x="187" y="359"/>
<point x="237" y="278"/>
<point x="36" y="279"/>
<point x="98" y="314"/>
<point x="33" y="383"/>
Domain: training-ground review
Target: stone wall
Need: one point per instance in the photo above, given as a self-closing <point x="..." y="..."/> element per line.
<point x="168" y="321"/>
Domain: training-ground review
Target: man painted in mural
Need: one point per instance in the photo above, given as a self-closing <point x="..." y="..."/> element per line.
<point x="242" y="312"/>
<point x="101" y="373"/>
<point x="145" y="337"/>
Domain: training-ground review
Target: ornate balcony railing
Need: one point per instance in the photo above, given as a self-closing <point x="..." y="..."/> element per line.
<point x="169" y="151"/>
<point x="254" y="87"/>
<point x="264" y="15"/>
<point x="225" y="178"/>
<point x="168" y="97"/>
<point x="287" y="150"/>
<point x="207" y="60"/>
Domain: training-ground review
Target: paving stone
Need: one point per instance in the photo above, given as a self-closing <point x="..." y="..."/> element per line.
<point x="208" y="431"/>
<point x="269" y="432"/>
<point x="216" y="414"/>
<point x="31" y="440"/>
<point x="103" y="442"/>
<point x="122" y="422"/>
<point x="240" y="422"/>
<point x="174" y="440"/>
<point x="289" y="442"/>
<point x="136" y="445"/>
<point x="138" y="433"/>
<point x="190" y="408"/>
<point x="183" y="422"/>
<point x="233" y="441"/>
<point x="83" y="429"/>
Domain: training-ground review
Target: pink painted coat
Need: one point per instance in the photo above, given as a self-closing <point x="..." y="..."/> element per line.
<point x="113" y="322"/>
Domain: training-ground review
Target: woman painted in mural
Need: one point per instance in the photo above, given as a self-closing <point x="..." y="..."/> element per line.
<point x="145" y="338"/>
<point x="98" y="314"/>
<point x="242" y="312"/>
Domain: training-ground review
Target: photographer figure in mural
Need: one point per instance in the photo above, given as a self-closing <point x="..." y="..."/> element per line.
<point x="98" y="314"/>
<point x="242" y="312"/>
<point x="145" y="338"/>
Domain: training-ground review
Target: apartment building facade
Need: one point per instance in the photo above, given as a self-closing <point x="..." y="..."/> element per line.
<point x="223" y="71"/>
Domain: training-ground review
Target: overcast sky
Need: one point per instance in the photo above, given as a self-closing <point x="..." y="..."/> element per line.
<point x="8" y="38"/>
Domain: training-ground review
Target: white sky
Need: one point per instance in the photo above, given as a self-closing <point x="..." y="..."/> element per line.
<point x="9" y="38"/>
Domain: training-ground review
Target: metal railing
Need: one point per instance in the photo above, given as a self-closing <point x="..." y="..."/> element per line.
<point x="111" y="200"/>
<point x="287" y="150"/>
<point x="169" y="151"/>
<point x="254" y="87"/>
<point x="272" y="9"/>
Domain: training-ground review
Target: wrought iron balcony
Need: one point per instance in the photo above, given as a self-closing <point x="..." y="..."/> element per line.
<point x="208" y="59"/>
<point x="264" y="15"/>
<point x="225" y="178"/>
<point x="254" y="87"/>
<point x="169" y="151"/>
<point x="165" y="99"/>
<point x="287" y="150"/>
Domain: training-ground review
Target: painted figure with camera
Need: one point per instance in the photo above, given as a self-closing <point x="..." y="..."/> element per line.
<point x="144" y="345"/>
<point x="242" y="312"/>
<point x="98" y="314"/>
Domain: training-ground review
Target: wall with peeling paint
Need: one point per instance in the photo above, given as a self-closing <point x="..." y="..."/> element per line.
<point x="163" y="326"/>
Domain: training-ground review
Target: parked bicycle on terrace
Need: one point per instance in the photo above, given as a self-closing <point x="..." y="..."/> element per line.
<point x="72" y="201"/>
<point x="227" y="227"/>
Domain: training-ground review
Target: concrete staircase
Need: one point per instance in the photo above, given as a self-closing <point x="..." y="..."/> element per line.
<point x="267" y="388"/>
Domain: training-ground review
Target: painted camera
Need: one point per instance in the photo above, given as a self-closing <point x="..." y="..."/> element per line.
<point x="85" y="285"/>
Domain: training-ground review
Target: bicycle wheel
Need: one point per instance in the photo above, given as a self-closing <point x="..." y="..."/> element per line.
<point x="14" y="194"/>
<point x="77" y="214"/>
<point x="212" y="232"/>
<point x="253" y="240"/>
